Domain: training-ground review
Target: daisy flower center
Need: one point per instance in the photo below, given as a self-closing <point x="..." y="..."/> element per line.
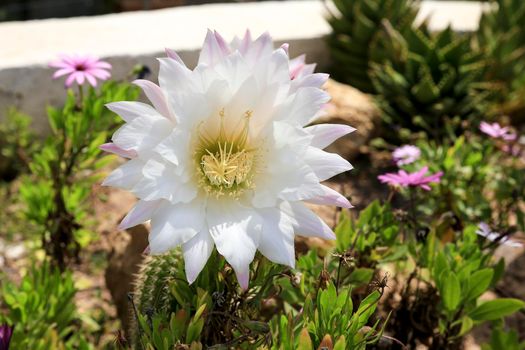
<point x="80" y="67"/>
<point x="225" y="163"/>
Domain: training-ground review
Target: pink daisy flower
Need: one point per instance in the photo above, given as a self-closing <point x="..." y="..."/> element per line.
<point x="406" y="154"/>
<point x="80" y="69"/>
<point x="497" y="131"/>
<point x="415" y="179"/>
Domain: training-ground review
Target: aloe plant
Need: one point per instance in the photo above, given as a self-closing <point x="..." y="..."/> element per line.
<point x="429" y="82"/>
<point x="502" y="35"/>
<point x="355" y="29"/>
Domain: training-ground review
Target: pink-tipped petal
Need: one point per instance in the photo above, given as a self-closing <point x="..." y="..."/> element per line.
<point x="225" y="48"/>
<point x="211" y="51"/>
<point x="174" y="56"/>
<point x="243" y="277"/>
<point x="156" y="96"/>
<point x="112" y="148"/>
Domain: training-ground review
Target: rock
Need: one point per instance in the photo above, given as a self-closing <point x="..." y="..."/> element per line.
<point x="351" y="107"/>
<point x="124" y="263"/>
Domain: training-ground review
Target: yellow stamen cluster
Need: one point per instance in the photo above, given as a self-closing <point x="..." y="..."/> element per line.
<point x="226" y="167"/>
<point x="225" y="163"/>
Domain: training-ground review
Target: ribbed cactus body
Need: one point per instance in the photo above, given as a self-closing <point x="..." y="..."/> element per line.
<point x="430" y="82"/>
<point x="355" y="29"/>
<point x="152" y="293"/>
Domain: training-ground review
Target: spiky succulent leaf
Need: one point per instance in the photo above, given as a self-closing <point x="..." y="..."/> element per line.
<point x="353" y="40"/>
<point x="437" y="80"/>
<point x="502" y="35"/>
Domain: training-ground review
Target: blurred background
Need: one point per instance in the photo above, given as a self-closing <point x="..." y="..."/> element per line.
<point x="20" y="10"/>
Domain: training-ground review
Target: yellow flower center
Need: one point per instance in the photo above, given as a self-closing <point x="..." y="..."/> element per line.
<point x="226" y="167"/>
<point x="225" y="163"/>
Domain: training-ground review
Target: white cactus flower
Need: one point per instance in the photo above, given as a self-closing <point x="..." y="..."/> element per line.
<point x="223" y="158"/>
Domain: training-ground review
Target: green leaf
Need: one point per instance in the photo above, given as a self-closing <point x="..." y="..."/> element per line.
<point x="478" y="283"/>
<point x="361" y="276"/>
<point x="305" y="342"/>
<point x="450" y="291"/>
<point x="340" y="344"/>
<point x="466" y="326"/>
<point x="496" y="309"/>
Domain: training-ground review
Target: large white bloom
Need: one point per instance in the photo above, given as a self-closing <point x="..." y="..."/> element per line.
<point x="223" y="158"/>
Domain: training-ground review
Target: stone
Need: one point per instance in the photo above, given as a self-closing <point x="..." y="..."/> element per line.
<point x="351" y="107"/>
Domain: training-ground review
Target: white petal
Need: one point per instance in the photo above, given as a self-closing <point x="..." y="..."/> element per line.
<point x="196" y="252"/>
<point x="175" y="78"/>
<point x="129" y="110"/>
<point x="175" y="147"/>
<point x="313" y="80"/>
<point x="141" y="212"/>
<point x="330" y="197"/>
<point x="125" y="176"/>
<point x="236" y="231"/>
<point x="324" y="164"/>
<point x="296" y="182"/>
<point x="303" y="106"/>
<point x="173" y="225"/>
<point x="258" y="49"/>
<point x="277" y="238"/>
<point x="326" y="134"/>
<point x="160" y="181"/>
<point x="306" y="222"/>
<point x="156" y="96"/>
<point x="274" y="70"/>
<point x="142" y="133"/>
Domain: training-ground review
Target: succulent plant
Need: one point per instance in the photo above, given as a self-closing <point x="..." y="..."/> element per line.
<point x="502" y="35"/>
<point x="429" y="82"/>
<point x="355" y="29"/>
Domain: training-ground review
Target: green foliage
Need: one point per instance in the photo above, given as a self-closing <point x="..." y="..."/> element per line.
<point x="462" y="273"/>
<point x="43" y="311"/>
<point x="62" y="172"/>
<point x="355" y="29"/>
<point x="429" y="82"/>
<point x="17" y="143"/>
<point x="501" y="35"/>
<point x="211" y="311"/>
<point x="476" y="174"/>
<point x="504" y="339"/>
<point x="330" y="317"/>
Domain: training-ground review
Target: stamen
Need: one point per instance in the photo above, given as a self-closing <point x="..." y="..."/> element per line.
<point x="226" y="164"/>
